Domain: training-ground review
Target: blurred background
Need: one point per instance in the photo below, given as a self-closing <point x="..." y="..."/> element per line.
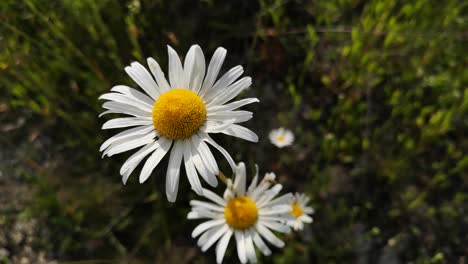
<point x="376" y="93"/>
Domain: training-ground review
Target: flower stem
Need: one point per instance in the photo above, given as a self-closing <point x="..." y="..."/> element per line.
<point x="222" y="177"/>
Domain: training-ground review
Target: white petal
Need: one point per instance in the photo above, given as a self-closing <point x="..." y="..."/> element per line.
<point x="217" y="126"/>
<point x="204" y="171"/>
<point x="151" y="87"/>
<point x="289" y="135"/>
<point x="201" y="214"/>
<point x="246" y="116"/>
<point x="110" y="112"/>
<point x="143" y="78"/>
<point x="268" y="195"/>
<point x="269" y="177"/>
<point x="207" y="225"/>
<point x="173" y="171"/>
<point x="133" y="93"/>
<point x="241" y="251"/>
<point x="278" y="209"/>
<point x="132" y="162"/>
<point x="206" y="154"/>
<point x="214" y="197"/>
<point x="223" y="83"/>
<point x="273" y="135"/>
<point x="141" y="130"/>
<point x="195" y="215"/>
<point x="277" y="218"/>
<point x="158" y="75"/>
<point x="190" y="169"/>
<point x="284" y="199"/>
<point x="249" y="247"/>
<point x="306" y="219"/>
<point x="257" y="192"/>
<point x="231" y="106"/>
<point x="304" y="199"/>
<point x="206" y="205"/>
<point x="194" y="68"/>
<point x="269" y="236"/>
<point x="298" y="226"/>
<point x="276" y="226"/>
<point x="228" y="193"/>
<point x="266" y="182"/>
<point x="126" y="109"/>
<point x="239" y="182"/>
<point x="189" y="66"/>
<point x="127" y="122"/>
<point x="203" y="210"/>
<point x="228" y="157"/>
<point x="127" y="173"/>
<point x="253" y="183"/>
<point x="222" y="246"/>
<point x="308" y="210"/>
<point x="214" y="237"/>
<point x="241" y="132"/>
<point x="228" y="115"/>
<point x="155" y="158"/>
<point x="176" y="73"/>
<point x="261" y="245"/>
<point x="232" y="91"/>
<point x="213" y="70"/>
<point x="122" y="98"/>
<point x="128" y="144"/>
<point x="204" y="238"/>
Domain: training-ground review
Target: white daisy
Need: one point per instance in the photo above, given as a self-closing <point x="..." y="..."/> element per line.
<point x="281" y="137"/>
<point x="177" y="117"/>
<point x="300" y="211"/>
<point x="247" y="214"/>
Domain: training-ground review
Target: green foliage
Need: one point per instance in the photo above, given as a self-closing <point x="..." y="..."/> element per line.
<point x="375" y="91"/>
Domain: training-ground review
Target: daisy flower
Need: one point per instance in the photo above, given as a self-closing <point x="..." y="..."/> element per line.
<point x="300" y="211"/>
<point x="176" y="117"/>
<point x="281" y="137"/>
<point x="248" y="215"/>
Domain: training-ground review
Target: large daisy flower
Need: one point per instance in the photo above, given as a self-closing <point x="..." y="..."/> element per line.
<point x="177" y="117"/>
<point x="247" y="214"/>
<point x="300" y="211"/>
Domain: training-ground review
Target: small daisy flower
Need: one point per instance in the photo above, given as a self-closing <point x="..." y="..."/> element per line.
<point x="248" y="215"/>
<point x="177" y="117"/>
<point x="300" y="211"/>
<point x="281" y="137"/>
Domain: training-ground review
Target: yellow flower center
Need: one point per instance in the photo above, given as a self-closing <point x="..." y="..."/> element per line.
<point x="241" y="212"/>
<point x="178" y="114"/>
<point x="280" y="138"/>
<point x="296" y="210"/>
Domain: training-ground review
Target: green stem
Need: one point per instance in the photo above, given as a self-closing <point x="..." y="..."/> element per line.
<point x="223" y="177"/>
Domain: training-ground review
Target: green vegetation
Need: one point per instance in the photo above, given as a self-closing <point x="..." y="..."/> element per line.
<point x="376" y="93"/>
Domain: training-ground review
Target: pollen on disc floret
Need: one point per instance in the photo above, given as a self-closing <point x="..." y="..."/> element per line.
<point x="241" y="212"/>
<point x="296" y="210"/>
<point x="178" y="114"/>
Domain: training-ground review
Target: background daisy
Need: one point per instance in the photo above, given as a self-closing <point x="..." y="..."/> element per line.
<point x="247" y="214"/>
<point x="300" y="211"/>
<point x="177" y="117"/>
<point x="281" y="137"/>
